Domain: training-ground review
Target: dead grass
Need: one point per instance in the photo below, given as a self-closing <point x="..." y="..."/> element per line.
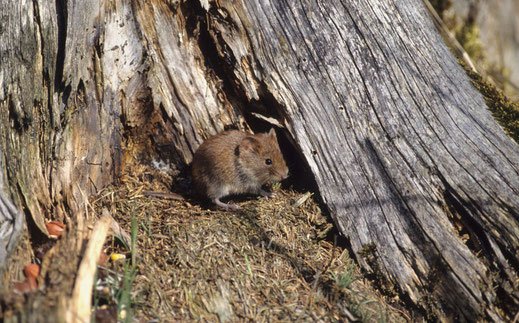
<point x="272" y="261"/>
<point x="269" y="262"/>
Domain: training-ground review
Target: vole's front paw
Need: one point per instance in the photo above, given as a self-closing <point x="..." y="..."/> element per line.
<point x="266" y="194"/>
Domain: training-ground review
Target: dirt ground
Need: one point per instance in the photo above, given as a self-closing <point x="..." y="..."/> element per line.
<point x="275" y="260"/>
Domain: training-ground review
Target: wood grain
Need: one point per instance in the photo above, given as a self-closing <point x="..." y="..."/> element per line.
<point x="405" y="153"/>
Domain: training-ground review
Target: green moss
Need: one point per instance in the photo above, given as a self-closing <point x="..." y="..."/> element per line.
<point x="368" y="250"/>
<point x="468" y="37"/>
<point x="503" y="109"/>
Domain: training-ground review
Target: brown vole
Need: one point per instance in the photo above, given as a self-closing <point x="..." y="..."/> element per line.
<point x="235" y="162"/>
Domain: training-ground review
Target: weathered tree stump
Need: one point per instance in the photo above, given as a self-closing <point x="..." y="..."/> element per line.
<point x="414" y="170"/>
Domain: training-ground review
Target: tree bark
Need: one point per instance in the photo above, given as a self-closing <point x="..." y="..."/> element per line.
<point x="411" y="165"/>
<point x="409" y="161"/>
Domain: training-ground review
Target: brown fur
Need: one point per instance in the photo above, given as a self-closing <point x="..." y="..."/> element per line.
<point x="234" y="162"/>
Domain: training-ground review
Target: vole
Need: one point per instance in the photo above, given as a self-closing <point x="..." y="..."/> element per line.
<point x="235" y="162"/>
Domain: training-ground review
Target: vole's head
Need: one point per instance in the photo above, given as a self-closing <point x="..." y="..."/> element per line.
<point x="261" y="157"/>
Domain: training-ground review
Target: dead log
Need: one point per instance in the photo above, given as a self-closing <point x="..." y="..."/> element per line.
<point x="414" y="170"/>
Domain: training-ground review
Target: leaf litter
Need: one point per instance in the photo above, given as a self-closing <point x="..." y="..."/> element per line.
<point x="274" y="260"/>
<point x="182" y="259"/>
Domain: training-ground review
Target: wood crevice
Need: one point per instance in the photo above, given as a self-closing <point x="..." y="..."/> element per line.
<point x="61" y="29"/>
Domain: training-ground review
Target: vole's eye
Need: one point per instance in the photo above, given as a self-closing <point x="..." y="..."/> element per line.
<point x="268" y="161"/>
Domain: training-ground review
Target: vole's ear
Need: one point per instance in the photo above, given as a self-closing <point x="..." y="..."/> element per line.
<point x="250" y="143"/>
<point x="272" y="133"/>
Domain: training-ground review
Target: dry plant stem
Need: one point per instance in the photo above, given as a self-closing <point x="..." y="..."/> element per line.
<point x="79" y="309"/>
<point x="443" y="29"/>
<point x="170" y="195"/>
<point x="117" y="230"/>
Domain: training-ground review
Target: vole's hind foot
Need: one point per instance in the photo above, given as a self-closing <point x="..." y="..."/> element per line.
<point x="226" y="206"/>
<point x="266" y="194"/>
